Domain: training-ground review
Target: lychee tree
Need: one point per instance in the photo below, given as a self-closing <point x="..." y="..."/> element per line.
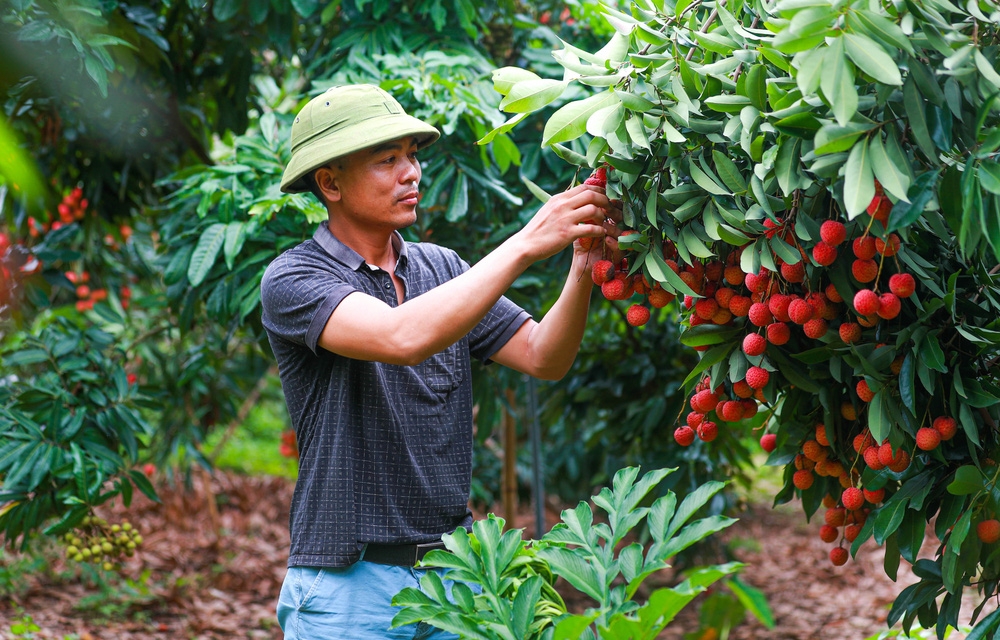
<point x="817" y="183"/>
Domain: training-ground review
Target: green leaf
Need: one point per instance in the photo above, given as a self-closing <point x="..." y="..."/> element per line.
<point x="837" y="83"/>
<point x="205" y="252"/>
<point x="223" y="10"/>
<point x="893" y="180"/>
<point x="754" y="600"/>
<point x="25" y="357"/>
<point x="919" y="194"/>
<point x="859" y="182"/>
<point x="871" y="58"/>
<point x="889" y="517"/>
<point x="883" y="29"/>
<point x="505" y="78"/>
<point x="570" y="121"/>
<point x="458" y="203"/>
<point x="236" y="233"/>
<point x="504" y="128"/>
<point x="571" y="566"/>
<point x="833" y="138"/>
<point x="97" y="73"/>
<point x="916" y="116"/>
<point x="532" y="95"/>
<point x="704" y="181"/>
<point x="968" y="480"/>
<point x="989" y="176"/>
<point x="786" y="165"/>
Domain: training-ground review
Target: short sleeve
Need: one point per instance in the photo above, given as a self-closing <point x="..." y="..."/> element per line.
<point x="298" y="294"/>
<point x="493" y="331"/>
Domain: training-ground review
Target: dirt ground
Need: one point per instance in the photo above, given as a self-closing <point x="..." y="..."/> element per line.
<point x="214" y="556"/>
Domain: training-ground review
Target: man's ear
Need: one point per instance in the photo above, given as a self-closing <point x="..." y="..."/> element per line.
<point x="326" y="182"/>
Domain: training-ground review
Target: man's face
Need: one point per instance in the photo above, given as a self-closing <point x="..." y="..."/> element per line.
<point x="379" y="185"/>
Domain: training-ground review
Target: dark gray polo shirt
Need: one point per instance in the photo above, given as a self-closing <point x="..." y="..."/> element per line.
<point x="385" y="451"/>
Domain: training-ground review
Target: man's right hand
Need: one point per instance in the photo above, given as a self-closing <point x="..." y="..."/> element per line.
<point x="568" y="216"/>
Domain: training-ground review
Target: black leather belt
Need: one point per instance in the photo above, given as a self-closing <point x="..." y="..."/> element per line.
<point x="400" y="555"/>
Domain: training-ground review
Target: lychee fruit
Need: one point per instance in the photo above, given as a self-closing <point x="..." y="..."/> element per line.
<point x="850" y="332"/>
<point x="684" y="435"/>
<point x="889" y="306"/>
<point x="602" y="271"/>
<point x="659" y="298"/>
<point x="803" y="479"/>
<point x="757" y="377"/>
<point x="732" y="411"/>
<point x="708" y="431"/>
<point x="832" y="294"/>
<point x="866" y="302"/>
<point x="946" y="426"/>
<point x="864" y="247"/>
<point x="754" y="344"/>
<point x="778" y="333"/>
<point x="864" y="270"/>
<point x="833" y="232"/>
<point x="760" y="315"/>
<point x="928" y="438"/>
<point x="768" y="442"/>
<point x="988" y="530"/>
<point x="740" y="305"/>
<point x="852" y="498"/>
<point x="824" y="254"/>
<point x="599" y="178"/>
<point x="828" y="533"/>
<point x="800" y="311"/>
<point x="637" y="315"/>
<point x="614" y="289"/>
<point x="902" y="284"/>
<point x="864" y="391"/>
<point x="793" y="272"/>
<point x="815" y="328"/>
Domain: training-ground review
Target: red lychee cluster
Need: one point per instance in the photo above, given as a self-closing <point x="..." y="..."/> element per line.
<point x="86" y="296"/>
<point x="617" y="284"/>
<point x="72" y="208"/>
<point x="710" y="405"/>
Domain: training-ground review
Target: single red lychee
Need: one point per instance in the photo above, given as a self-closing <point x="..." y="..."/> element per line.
<point x="599" y="178"/>
<point x="695" y="418"/>
<point x="602" y="271"/>
<point x="828" y="533"/>
<point x="800" y="311"/>
<point x="889" y="306"/>
<point x="875" y="496"/>
<point x="946" y="426"/>
<point x="778" y="333"/>
<point x="902" y="284"/>
<point x="866" y="302"/>
<point x="864" y="270"/>
<point x="832" y="294"/>
<point x="864" y="391"/>
<point x="793" y="272"/>
<point x="768" y="442"/>
<point x="852" y="498"/>
<point x="740" y="305"/>
<point x="988" y="530"/>
<point x="760" y="315"/>
<point x="659" y="298"/>
<point x="864" y="247"/>
<point x="757" y="377"/>
<point x="928" y="438"/>
<point x="815" y="328"/>
<point x="850" y="332"/>
<point x="833" y="232"/>
<point x="708" y="431"/>
<point x="824" y="254"/>
<point x="637" y="315"/>
<point x="732" y="411"/>
<point x="684" y="435"/>
<point x="803" y="479"/>
<point x="754" y="344"/>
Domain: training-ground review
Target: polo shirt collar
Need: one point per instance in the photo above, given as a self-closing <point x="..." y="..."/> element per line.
<point x="342" y="253"/>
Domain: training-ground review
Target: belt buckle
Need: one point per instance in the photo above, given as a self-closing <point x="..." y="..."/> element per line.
<point x="422" y="549"/>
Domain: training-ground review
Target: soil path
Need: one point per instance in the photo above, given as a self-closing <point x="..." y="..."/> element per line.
<point x="214" y="573"/>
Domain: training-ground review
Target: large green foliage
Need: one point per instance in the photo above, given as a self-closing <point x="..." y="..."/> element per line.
<point x="732" y="132"/>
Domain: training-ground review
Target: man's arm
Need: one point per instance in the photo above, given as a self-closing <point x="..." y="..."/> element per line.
<point x="365" y="328"/>
<point x="548" y="348"/>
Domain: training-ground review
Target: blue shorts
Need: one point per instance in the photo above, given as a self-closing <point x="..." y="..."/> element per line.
<point x="350" y="603"/>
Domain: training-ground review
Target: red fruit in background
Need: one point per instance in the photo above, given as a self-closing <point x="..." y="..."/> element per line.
<point x="832" y="294"/>
<point x="724" y="296"/>
<point x="874" y="497"/>
<point x="131" y="378"/>
<point x="708" y="431"/>
<point x="778" y="333"/>
<point x="740" y="305"/>
<point x="684" y="435"/>
<point x="754" y="344"/>
<point x="706" y="308"/>
<point x="945" y="426"/>
<point x="659" y="298"/>
<point x="871" y="455"/>
<point x="599" y="178"/>
<point x="602" y="271"/>
<point x="889" y="306"/>
<point x="864" y="270"/>
<point x="864" y="391"/>
<point x="864" y="247"/>
<point x="839" y="556"/>
<point x="614" y="289"/>
<point x="742" y="389"/>
<point x="803" y="479"/>
<point x="637" y="315"/>
<point x="828" y="533"/>
<point x="777" y="304"/>
<point x="902" y="284"/>
<point x="83" y="291"/>
<point x="694" y="419"/>
<point x="928" y="438"/>
<point x="850" y="332"/>
<point x="126" y="232"/>
<point x="900" y="462"/>
<point x="852" y="498"/>
<point x="815" y="328"/>
<point x="759" y="314"/>
<point x="768" y="442"/>
<point x="851" y="532"/>
<point x="793" y="272"/>
<point x="757" y="377"/>
<point x="833" y="232"/>
<point x="800" y="311"/>
<point x="149" y="469"/>
<point x="824" y="254"/>
<point x="888" y="247"/>
<point x="749" y="408"/>
<point x="885" y="454"/>
<point x="988" y="530"/>
<point x="866" y="302"/>
<point x="733" y="275"/>
<point x="732" y="411"/>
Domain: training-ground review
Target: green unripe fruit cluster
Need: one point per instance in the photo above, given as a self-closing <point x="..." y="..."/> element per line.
<point x="96" y="541"/>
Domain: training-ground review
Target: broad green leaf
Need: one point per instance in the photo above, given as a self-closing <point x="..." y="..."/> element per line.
<point x="837" y="83"/>
<point x="704" y="181"/>
<point x="833" y="138"/>
<point x="205" y="252"/>
<point x="878" y="419"/>
<point x="882" y="29"/>
<point x="504" y="128"/>
<point x="532" y="95"/>
<point x="754" y="600"/>
<point x="506" y="77"/>
<point x="886" y="172"/>
<point x="968" y="480"/>
<point x="458" y="203"/>
<point x="989" y="176"/>
<point x="571" y="566"/>
<point x="920" y="193"/>
<point x="916" y="115"/>
<point x="236" y="233"/>
<point x="786" y="165"/>
<point x="570" y="121"/>
<point x="889" y="517"/>
<point x="810" y="70"/>
<point x="871" y="58"/>
<point x="859" y="181"/>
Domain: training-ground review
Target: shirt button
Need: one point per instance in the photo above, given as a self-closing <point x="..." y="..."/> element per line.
<point x="388" y="285"/>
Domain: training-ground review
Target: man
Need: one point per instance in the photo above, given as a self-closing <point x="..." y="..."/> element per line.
<point x="373" y="338"/>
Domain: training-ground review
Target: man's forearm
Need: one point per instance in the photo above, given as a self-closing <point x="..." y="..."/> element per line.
<point x="554" y="342"/>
